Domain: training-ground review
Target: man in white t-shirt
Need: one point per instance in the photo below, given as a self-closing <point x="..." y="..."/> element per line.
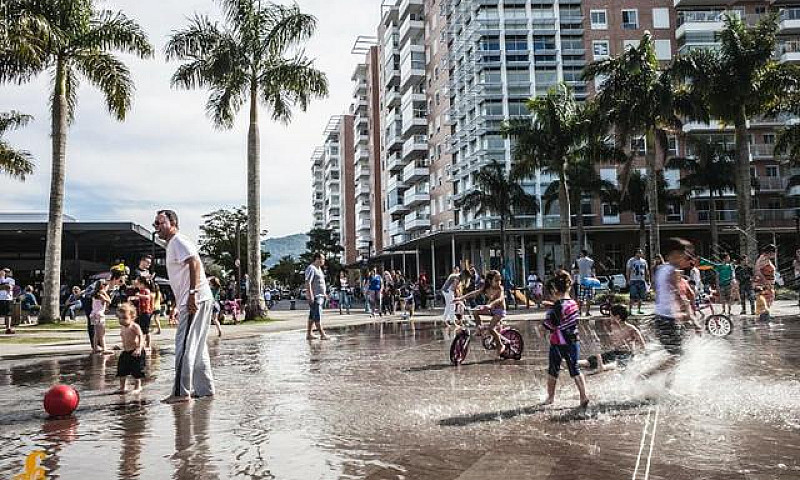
<point x="6" y="297"/>
<point x="585" y="267"/>
<point x="194" y="303"/>
<point x="316" y="293"/>
<point x="638" y="276"/>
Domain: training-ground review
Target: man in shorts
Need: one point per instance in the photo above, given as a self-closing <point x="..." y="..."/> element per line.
<point x="6" y="297"/>
<point x="315" y="294"/>
<point x="585" y="267"/>
<point x="669" y="302"/>
<point x="638" y="277"/>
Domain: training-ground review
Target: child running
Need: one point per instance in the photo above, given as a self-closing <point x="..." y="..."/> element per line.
<point x="100" y="302"/>
<point x="625" y="340"/>
<point x="496" y="305"/>
<point x="561" y="322"/>
<point x="670" y="304"/>
<point x="132" y="360"/>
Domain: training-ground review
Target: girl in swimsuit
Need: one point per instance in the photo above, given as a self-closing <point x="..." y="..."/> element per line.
<point x="492" y="289"/>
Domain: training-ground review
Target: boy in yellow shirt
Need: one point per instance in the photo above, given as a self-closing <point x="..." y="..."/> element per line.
<point x="762" y="307"/>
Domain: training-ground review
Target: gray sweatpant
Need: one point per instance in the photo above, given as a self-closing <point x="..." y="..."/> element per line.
<point x="192" y="363"/>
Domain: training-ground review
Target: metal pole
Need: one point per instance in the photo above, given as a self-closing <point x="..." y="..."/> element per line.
<point x="418" y="272"/>
<point x="524" y="261"/>
<point x="453" y="250"/>
<point x="433" y="274"/>
<point x="238" y="261"/>
<point x="404" y="263"/>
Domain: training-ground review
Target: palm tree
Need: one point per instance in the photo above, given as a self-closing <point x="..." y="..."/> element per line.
<point x="708" y="169"/>
<point x="255" y="57"/>
<point x="68" y="39"/>
<point x="635" y="200"/>
<point x="583" y="180"/>
<point x="550" y="140"/>
<point x="640" y="99"/>
<point x="737" y="82"/>
<point x="499" y="192"/>
<point x="16" y="163"/>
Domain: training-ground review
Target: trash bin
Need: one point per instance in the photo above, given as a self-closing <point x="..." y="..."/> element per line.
<point x="291" y="304"/>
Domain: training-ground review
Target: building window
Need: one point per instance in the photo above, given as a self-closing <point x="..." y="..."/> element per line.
<point x="674" y="212"/>
<point x="661" y="18"/>
<point x="630" y="19"/>
<point x="599" y="19"/>
<point x="638" y="146"/>
<point x="769" y="138"/>
<point x="672" y="145"/>
<point x="600" y="49"/>
<point x="663" y="49"/>
<point x="772" y="171"/>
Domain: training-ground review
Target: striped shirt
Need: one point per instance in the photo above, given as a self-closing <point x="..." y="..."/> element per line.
<point x="563" y="326"/>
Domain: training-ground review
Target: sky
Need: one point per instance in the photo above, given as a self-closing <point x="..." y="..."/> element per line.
<point x="167" y="154"/>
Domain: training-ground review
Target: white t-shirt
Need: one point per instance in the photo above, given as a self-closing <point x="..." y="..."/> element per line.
<point x="638" y="268"/>
<point x="180" y="249"/>
<point x="666" y="296"/>
<point x="533" y="279"/>
<point x="316" y="278"/>
<point x="7" y="294"/>
<point x="585" y="266"/>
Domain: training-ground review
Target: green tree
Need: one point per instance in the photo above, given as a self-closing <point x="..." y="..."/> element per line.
<point x="256" y="57"/>
<point x="218" y="237"/>
<point x="287" y="272"/>
<point x="736" y="82"/>
<point x="68" y="39"/>
<point x="325" y="241"/>
<point x="635" y="200"/>
<point x="550" y="140"/>
<point x="708" y="169"/>
<point x="499" y="192"/>
<point x="640" y="99"/>
<point x="15" y="163"/>
<point x="584" y="181"/>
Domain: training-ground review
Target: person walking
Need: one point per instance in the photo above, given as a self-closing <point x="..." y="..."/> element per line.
<point x="585" y="270"/>
<point x="744" y="275"/>
<point x="315" y="294"/>
<point x="448" y="292"/>
<point x="195" y="305"/>
<point x="6" y="297"/>
<point x="638" y="277"/>
<point x="345" y="293"/>
<point x="375" y="287"/>
<point x="423" y="290"/>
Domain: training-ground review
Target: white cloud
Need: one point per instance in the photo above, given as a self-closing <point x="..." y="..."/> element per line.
<point x="167" y="154"/>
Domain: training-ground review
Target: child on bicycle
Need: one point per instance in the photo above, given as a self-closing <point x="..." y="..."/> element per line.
<point x="492" y="289"/>
<point x="625" y="340"/>
<point x="561" y="324"/>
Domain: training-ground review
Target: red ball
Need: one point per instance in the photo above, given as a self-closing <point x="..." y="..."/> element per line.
<point x="61" y="400"/>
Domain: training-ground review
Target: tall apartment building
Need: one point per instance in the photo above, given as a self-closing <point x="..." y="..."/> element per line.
<point x="334" y="185"/>
<point x="449" y="72"/>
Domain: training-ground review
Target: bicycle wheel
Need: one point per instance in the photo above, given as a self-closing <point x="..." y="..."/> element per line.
<point x="605" y="309"/>
<point x="514" y="343"/>
<point x="719" y="325"/>
<point x="459" y="348"/>
<point x="488" y="340"/>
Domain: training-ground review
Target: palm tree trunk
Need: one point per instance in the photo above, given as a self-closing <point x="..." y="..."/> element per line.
<point x="52" y="257"/>
<point x="642" y="234"/>
<point x="502" y="245"/>
<point x="712" y="221"/>
<point x="255" y="302"/>
<point x="652" y="196"/>
<point x="747" y="238"/>
<point x="564" y="207"/>
<point x="581" y="231"/>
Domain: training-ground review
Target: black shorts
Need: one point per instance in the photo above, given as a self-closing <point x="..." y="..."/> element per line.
<point x="619" y="356"/>
<point x="143" y="320"/>
<point x="5" y="308"/>
<point x="669" y="334"/>
<point x="130" y="365"/>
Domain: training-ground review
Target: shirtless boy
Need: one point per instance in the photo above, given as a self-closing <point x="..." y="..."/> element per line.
<point x="132" y="359"/>
<point x="625" y="339"/>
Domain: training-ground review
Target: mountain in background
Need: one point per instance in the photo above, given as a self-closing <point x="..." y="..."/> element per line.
<point x="279" y="247"/>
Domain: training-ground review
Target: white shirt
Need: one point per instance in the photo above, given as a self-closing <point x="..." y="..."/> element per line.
<point x="638" y="268"/>
<point x="180" y="249"/>
<point x="7" y="294"/>
<point x="666" y="296"/>
<point x="585" y="266"/>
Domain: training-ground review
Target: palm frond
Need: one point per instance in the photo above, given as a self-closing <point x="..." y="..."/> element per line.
<point x="110" y="76"/>
<point x="110" y="30"/>
<point x="788" y="142"/>
<point x="291" y="83"/>
<point x="15" y="163"/>
<point x="13" y="120"/>
<point x="225" y="101"/>
<point x="288" y="27"/>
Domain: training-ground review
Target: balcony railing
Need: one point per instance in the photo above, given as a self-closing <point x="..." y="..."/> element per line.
<point x="722" y="215"/>
<point x="790" y="14"/>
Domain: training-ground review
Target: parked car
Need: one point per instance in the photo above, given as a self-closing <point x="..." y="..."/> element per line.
<point x="613" y="283"/>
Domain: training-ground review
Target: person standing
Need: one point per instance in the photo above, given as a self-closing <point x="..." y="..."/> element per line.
<point x="344" y="293"/>
<point x="764" y="273"/>
<point x="638" y="277"/>
<point x="143" y="269"/>
<point x="315" y="294"/>
<point x="375" y="287"/>
<point x="6" y="297"/>
<point x="423" y="290"/>
<point x="744" y="274"/>
<point x="796" y="268"/>
<point x="449" y="292"/>
<point x="585" y="267"/>
<point x="194" y="303"/>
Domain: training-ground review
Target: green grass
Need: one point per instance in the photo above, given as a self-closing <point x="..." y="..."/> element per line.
<point x="30" y="340"/>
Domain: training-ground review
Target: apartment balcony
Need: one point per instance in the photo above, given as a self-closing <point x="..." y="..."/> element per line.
<point x="360" y="88"/>
<point x="393" y="140"/>
<point x="415" y="171"/>
<point x="724" y="216"/>
<point x="362" y="139"/>
<point x="411" y="29"/>
<point x="699" y="127"/>
<point x="361" y="120"/>
<point x="417" y="221"/>
<point x="396" y="228"/>
<point x="391" y="97"/>
<point x="362" y="189"/>
<point x="789" y="21"/>
<point x="410" y="6"/>
<point x="780" y="217"/>
<point x="398" y="209"/>
<point x="362" y="171"/>
<point x="413" y="198"/>
<point x="415" y="147"/>
<point x="411" y="73"/>
<point x="789" y="52"/>
<point x="701" y="21"/>
<point x="393" y="182"/>
<point x="772" y="184"/>
<point x="364" y="228"/>
<point x="395" y="162"/>
<point x="415" y="123"/>
<point x="696" y="3"/>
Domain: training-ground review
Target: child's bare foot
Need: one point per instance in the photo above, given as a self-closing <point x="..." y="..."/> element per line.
<point x="310" y="337"/>
<point x="323" y="337"/>
<point x="501" y="350"/>
<point x="584" y="403"/>
<point x="219" y="332"/>
<point x="548" y="401"/>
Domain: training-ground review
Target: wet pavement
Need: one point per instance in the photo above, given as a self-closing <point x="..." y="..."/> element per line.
<point x="382" y="402"/>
